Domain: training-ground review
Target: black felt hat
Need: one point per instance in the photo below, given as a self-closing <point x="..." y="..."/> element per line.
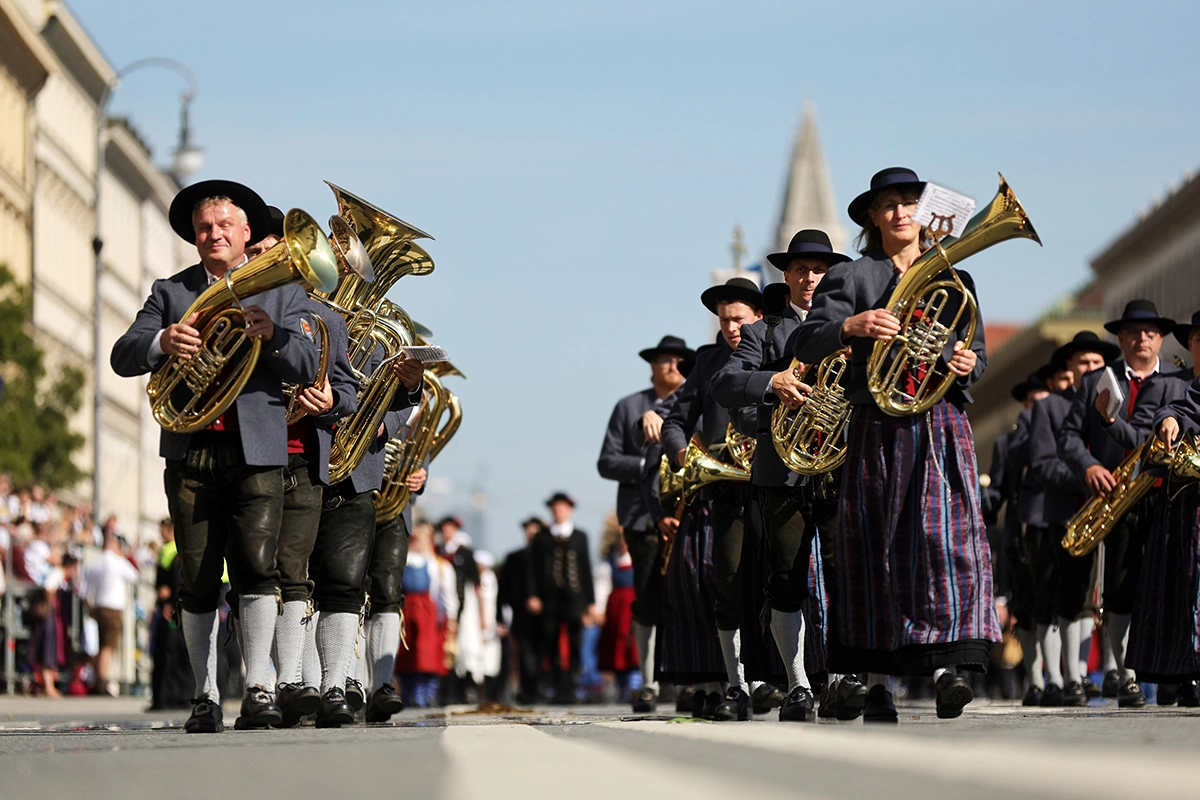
<point x="560" y="497"/>
<point x="668" y="344"/>
<point x="808" y="243"/>
<point x="1141" y="311"/>
<point x="1085" y="342"/>
<point x="890" y="178"/>
<point x="1046" y="371"/>
<point x="737" y="290"/>
<point x="245" y="198"/>
<point x="533" y="521"/>
<point x="1035" y="382"/>
<point x="1183" y="331"/>
<point x="276" y="228"/>
<point x="776" y="297"/>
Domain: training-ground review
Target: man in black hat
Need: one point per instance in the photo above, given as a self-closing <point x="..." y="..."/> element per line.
<point x="561" y="591"/>
<point x="522" y="628"/>
<point x="792" y="508"/>
<point x="1094" y="441"/>
<point x="225" y="484"/>
<point x="625" y="459"/>
<point x="736" y="303"/>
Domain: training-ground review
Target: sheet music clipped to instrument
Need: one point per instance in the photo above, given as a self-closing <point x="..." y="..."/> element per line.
<point x="943" y="212"/>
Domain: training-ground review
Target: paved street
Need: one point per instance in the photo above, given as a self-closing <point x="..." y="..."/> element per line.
<point x="109" y="748"/>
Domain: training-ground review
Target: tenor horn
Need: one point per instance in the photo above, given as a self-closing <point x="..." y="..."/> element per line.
<point x="811" y="439"/>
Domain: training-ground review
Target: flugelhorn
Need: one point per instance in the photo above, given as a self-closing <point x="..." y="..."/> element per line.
<point x="923" y="302"/>
<point x="186" y="395"/>
<point x="1134" y="477"/>
<point x="811" y="439"/>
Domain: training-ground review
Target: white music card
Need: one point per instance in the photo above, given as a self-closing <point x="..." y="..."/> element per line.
<point x="1115" y="396"/>
<point x="426" y="354"/>
<point x="943" y="212"/>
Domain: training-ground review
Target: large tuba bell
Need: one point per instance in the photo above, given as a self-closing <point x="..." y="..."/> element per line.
<point x="187" y="395"/>
<point x="923" y="302"/>
<point x="1134" y="477"/>
<point x="811" y="440"/>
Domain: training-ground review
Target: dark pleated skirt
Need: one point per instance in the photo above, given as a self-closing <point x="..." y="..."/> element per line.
<point x="617" y="651"/>
<point x="913" y="590"/>
<point x="1164" y="638"/>
<point x="687" y="649"/>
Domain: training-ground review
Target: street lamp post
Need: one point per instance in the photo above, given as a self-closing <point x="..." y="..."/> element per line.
<point x="187" y="161"/>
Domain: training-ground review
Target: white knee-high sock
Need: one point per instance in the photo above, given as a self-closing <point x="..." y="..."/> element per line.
<point x="1031" y="654"/>
<point x="335" y="643"/>
<point x="1087" y="627"/>
<point x="310" y="659"/>
<point x="289" y="641"/>
<point x="1118" y="637"/>
<point x="258" y="613"/>
<point x="1110" y="660"/>
<point x="383" y="642"/>
<point x="788" y="629"/>
<point x="643" y="637"/>
<point x="731" y="650"/>
<point x="1069" y="643"/>
<point x="200" y="634"/>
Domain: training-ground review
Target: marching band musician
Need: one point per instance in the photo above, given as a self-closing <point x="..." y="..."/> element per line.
<point x="644" y="526"/>
<point x="341" y="555"/>
<point x="1063" y="584"/>
<point x="910" y="491"/>
<point x="736" y="303"/>
<point x="1093" y="443"/>
<point x="1166" y="609"/>
<point x="225" y="484"/>
<point x="758" y="374"/>
<point x="305" y="477"/>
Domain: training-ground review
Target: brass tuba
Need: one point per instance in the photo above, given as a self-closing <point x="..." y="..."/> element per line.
<point x="926" y="288"/>
<point x="1134" y="478"/>
<point x="187" y="395"/>
<point x="811" y="439"/>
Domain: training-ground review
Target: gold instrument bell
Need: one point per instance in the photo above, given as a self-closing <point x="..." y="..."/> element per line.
<point x="811" y="440"/>
<point x="700" y="469"/>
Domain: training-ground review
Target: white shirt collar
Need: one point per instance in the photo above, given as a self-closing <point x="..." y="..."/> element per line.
<point x="1129" y="373"/>
<point x="800" y="312"/>
<point x="213" y="278"/>
<point x="563" y="530"/>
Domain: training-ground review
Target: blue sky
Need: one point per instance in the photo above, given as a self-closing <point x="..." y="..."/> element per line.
<point x="582" y="165"/>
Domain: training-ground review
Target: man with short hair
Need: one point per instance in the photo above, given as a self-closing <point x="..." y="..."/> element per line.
<point x="106" y="586"/>
<point x="224" y="484"/>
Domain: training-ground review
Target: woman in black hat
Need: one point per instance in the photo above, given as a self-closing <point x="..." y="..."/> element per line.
<point x="912" y="586"/>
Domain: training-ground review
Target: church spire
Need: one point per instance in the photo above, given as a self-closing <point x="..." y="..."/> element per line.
<point x="808" y="199"/>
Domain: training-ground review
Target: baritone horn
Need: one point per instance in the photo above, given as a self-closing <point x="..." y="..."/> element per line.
<point x="924" y="302"/>
<point x="811" y="439"/>
<point x="186" y="395"/>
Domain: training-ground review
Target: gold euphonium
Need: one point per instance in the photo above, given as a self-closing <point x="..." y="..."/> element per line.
<point x="927" y="287"/>
<point x="1134" y="478"/>
<point x="186" y="395"/>
<point x="453" y="408"/>
<point x="740" y="446"/>
<point x="810" y="440"/>
<point x="405" y="455"/>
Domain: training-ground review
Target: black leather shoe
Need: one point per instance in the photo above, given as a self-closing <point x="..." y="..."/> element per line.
<point x="206" y="717"/>
<point x="767" y="697"/>
<point x="1073" y="695"/>
<point x="334" y="711"/>
<point x="878" y="706"/>
<point x="1033" y="696"/>
<point x="1090" y="689"/>
<point x="709" y="709"/>
<point x="383" y="703"/>
<point x="953" y="693"/>
<point x="683" y="702"/>
<point x="1112" y="684"/>
<point x="798" y="706"/>
<point x="828" y="707"/>
<point x="1188" y="697"/>
<point x="258" y="710"/>
<point x="355" y="695"/>
<point x="1131" y="695"/>
<point x="1167" y="694"/>
<point x="295" y="702"/>
<point x="645" y="701"/>
<point x="851" y="696"/>
<point x="735" y="706"/>
<point x="1052" y="696"/>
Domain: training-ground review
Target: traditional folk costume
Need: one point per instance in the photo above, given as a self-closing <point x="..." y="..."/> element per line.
<point x="912" y="588"/>
<point x="225" y="484"/>
<point x="430" y="604"/>
<point x="618" y="651"/>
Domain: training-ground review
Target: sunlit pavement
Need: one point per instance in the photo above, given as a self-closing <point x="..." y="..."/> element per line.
<point x="112" y="748"/>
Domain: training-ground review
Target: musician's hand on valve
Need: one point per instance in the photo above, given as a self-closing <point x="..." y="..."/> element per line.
<point x="876" y="323"/>
<point x="1168" y="431"/>
<point x="1099" y="479"/>
<point x="963" y="360"/>
<point x="652" y="426"/>
<point x="416" y="480"/>
<point x="316" y="400"/>
<point x="258" y="323"/>
<point x="410" y="372"/>
<point x="788" y="388"/>
<point x="181" y="339"/>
